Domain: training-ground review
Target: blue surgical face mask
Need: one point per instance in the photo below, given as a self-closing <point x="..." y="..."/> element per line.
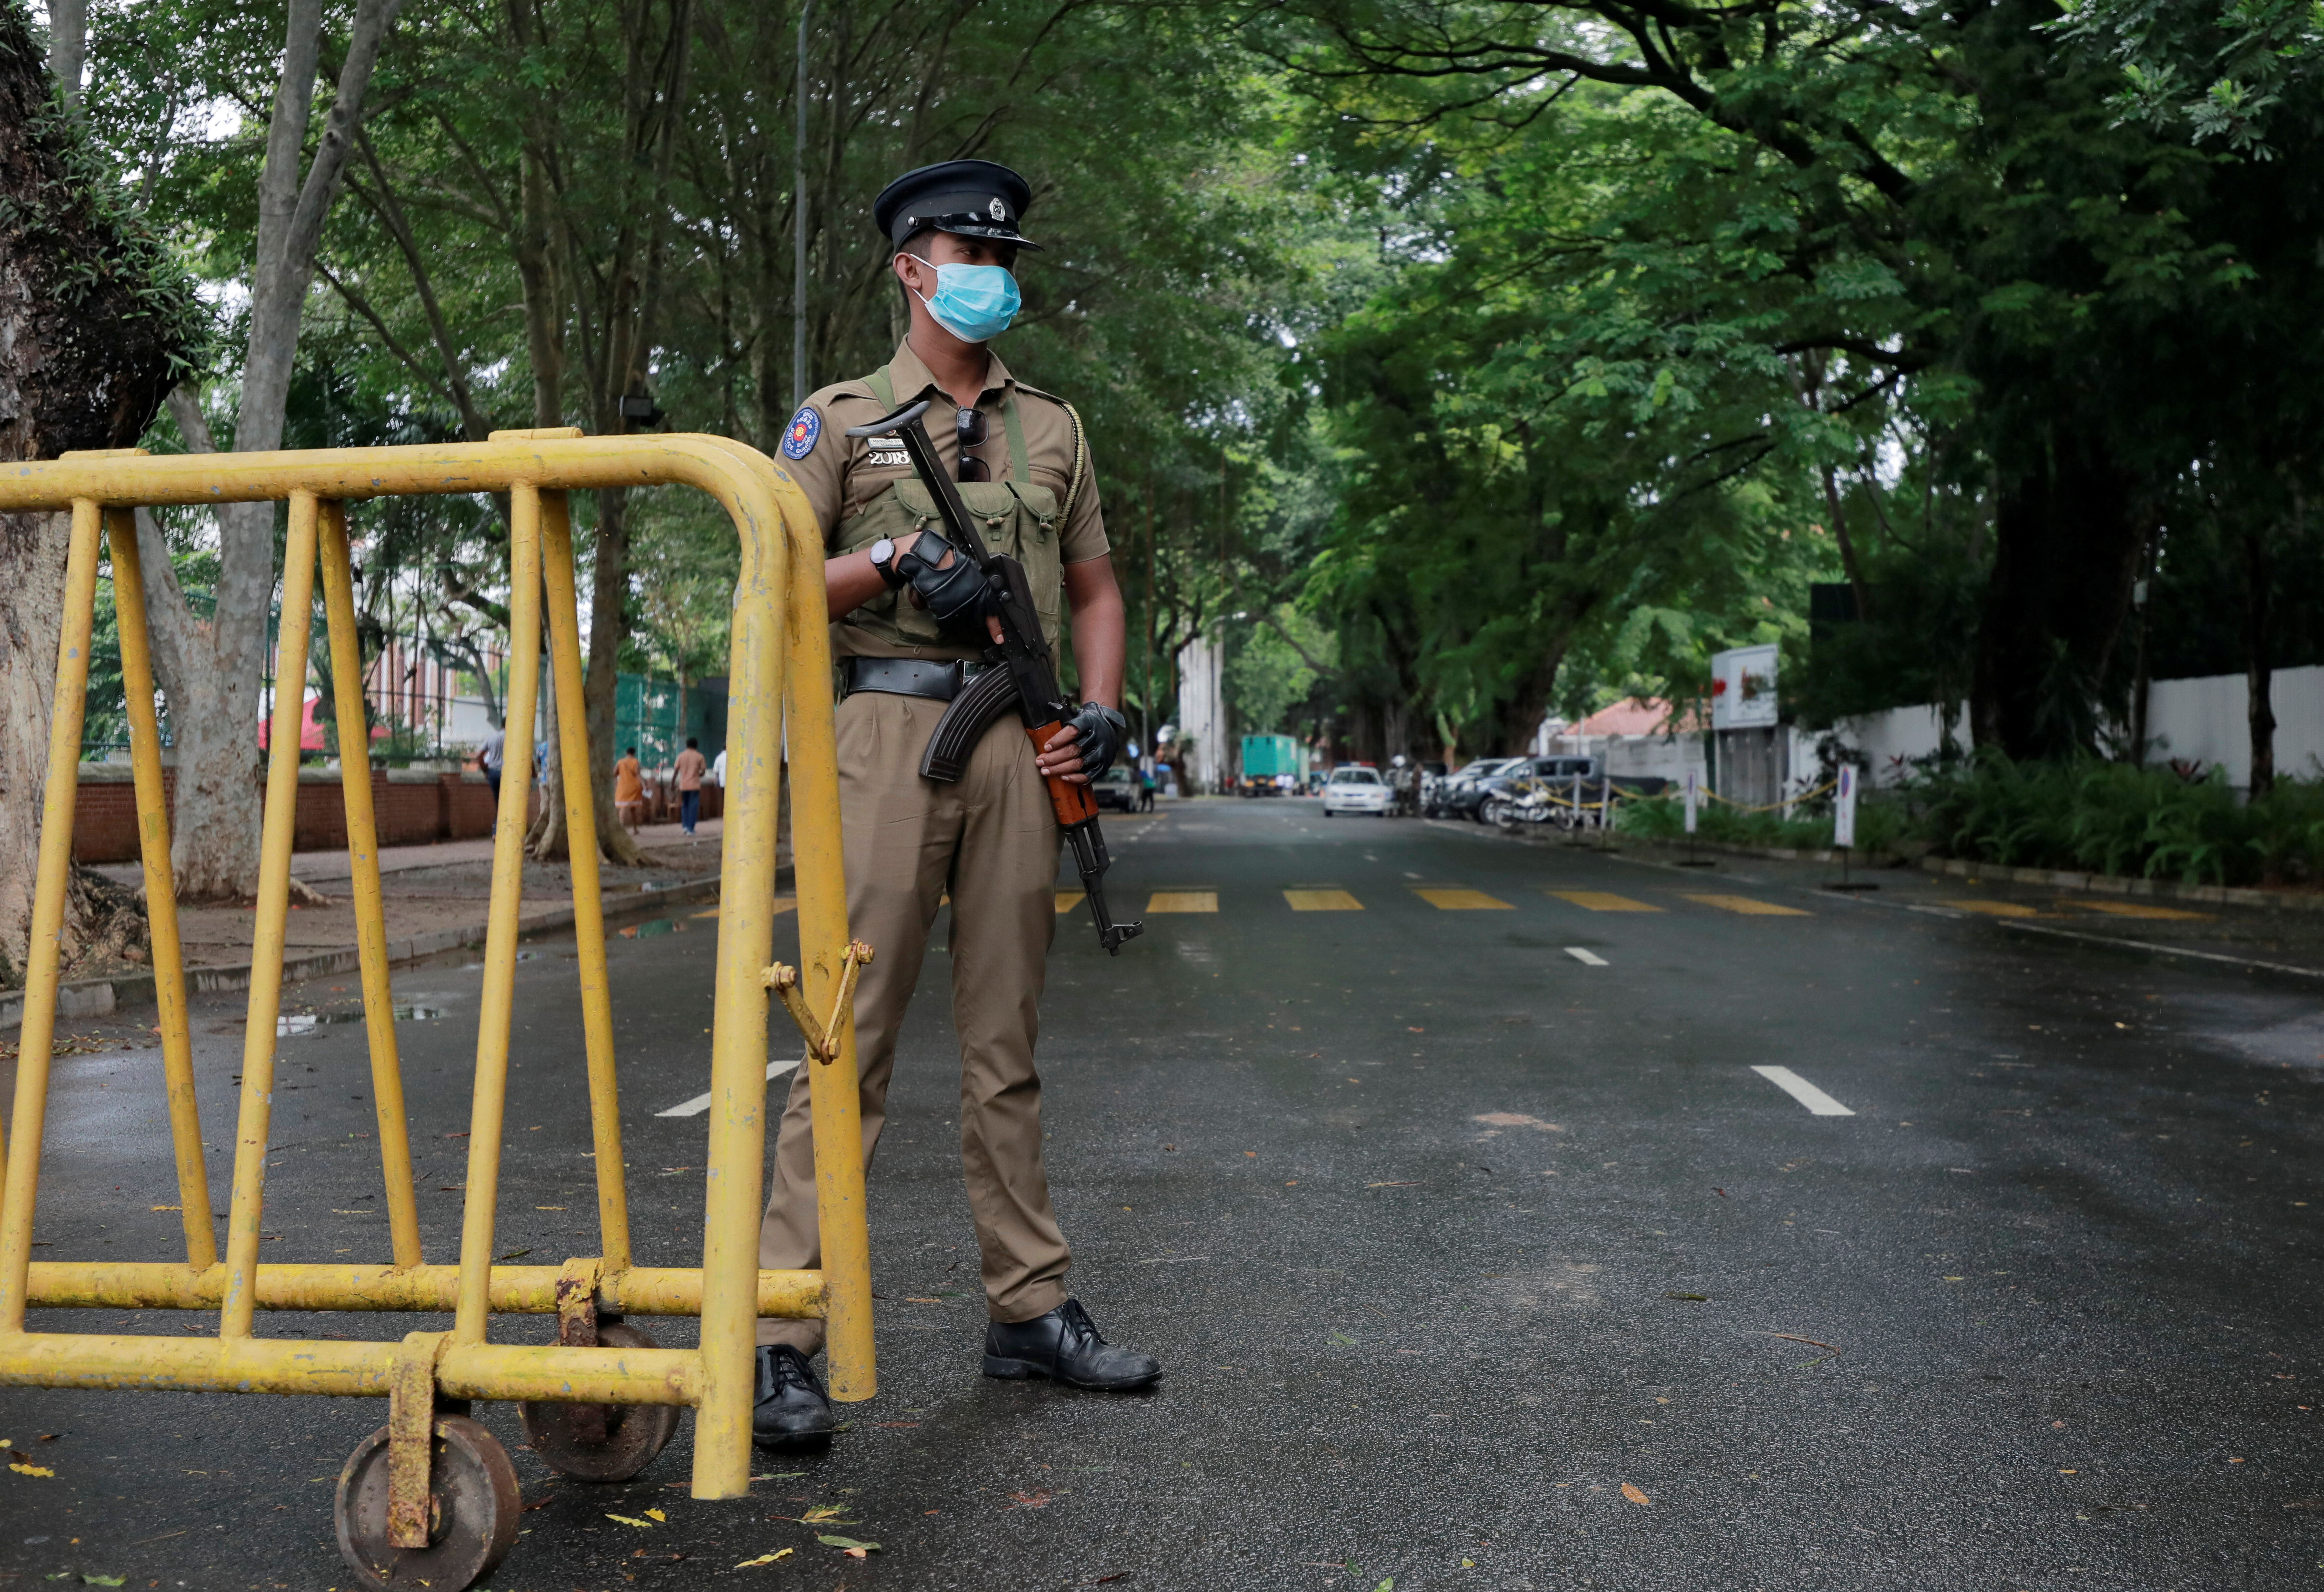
<point x="974" y="303"/>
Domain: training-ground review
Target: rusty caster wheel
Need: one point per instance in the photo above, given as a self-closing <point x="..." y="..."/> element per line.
<point x="601" y="1442"/>
<point x="473" y="1509"/>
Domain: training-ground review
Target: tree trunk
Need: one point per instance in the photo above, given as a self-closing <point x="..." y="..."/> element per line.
<point x="84" y="362"/>
<point x="2067" y="537"/>
<point x="601" y="681"/>
<point x="68" y="47"/>
<point x="212" y="672"/>
<point x="2258" y="675"/>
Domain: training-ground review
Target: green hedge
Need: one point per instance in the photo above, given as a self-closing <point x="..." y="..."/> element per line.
<point x="1879" y="823"/>
<point x="2085" y="814"/>
<point x="2114" y="818"/>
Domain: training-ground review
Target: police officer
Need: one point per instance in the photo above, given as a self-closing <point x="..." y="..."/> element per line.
<point x="1023" y="464"/>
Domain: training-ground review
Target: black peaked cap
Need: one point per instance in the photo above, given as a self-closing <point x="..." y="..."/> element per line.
<point x="976" y="198"/>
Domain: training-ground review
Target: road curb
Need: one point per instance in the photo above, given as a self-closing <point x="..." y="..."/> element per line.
<point x="94" y="997"/>
<point x="2116" y="884"/>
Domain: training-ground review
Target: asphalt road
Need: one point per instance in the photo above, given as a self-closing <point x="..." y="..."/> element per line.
<point x="1476" y="1261"/>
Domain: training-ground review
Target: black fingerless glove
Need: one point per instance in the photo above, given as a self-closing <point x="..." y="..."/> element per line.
<point x="954" y="595"/>
<point x="1101" y="730"/>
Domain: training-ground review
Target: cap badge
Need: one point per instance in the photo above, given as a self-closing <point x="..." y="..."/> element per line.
<point x="1000" y="211"/>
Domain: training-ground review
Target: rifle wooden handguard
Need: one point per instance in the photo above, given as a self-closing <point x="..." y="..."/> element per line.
<point x="965" y="721"/>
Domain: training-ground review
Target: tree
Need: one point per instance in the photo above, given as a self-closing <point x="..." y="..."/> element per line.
<point x="1957" y="203"/>
<point x="211" y="668"/>
<point x="96" y="321"/>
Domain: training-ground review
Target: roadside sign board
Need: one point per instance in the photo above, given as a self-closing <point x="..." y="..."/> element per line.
<point x="1743" y="688"/>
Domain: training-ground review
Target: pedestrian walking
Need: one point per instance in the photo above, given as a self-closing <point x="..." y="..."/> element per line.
<point x="689" y="770"/>
<point x="629" y="791"/>
<point x="489" y="756"/>
<point x="910" y="628"/>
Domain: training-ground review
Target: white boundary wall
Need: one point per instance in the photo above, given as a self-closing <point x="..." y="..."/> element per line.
<point x="2199" y="721"/>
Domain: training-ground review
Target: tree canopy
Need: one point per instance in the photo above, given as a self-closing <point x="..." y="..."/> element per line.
<point x="1448" y="363"/>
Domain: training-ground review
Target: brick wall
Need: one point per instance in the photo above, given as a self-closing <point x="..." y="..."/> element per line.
<point x="410" y="806"/>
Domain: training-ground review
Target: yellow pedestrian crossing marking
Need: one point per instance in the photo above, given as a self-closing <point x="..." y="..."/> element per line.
<point x="1069" y="900"/>
<point x="1183" y="901"/>
<point x="2141" y="909"/>
<point x="1749" y="906"/>
<point x="1995" y="908"/>
<point x="1462" y="901"/>
<point x="1603" y="901"/>
<point x="1322" y="901"/>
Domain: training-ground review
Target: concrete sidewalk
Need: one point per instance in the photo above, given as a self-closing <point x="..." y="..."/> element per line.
<point x="437" y="898"/>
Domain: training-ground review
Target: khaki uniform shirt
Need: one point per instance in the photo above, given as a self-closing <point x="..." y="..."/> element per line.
<point x="840" y="476"/>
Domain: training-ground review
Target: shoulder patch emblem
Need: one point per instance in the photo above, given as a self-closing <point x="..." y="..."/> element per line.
<point x="799" y="440"/>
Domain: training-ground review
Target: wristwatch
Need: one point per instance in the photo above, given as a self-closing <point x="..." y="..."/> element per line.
<point x="883" y="559"/>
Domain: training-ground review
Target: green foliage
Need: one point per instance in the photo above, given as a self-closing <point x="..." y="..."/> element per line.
<point x="1271" y="671"/>
<point x="2116" y="819"/>
<point x="1880" y="823"/>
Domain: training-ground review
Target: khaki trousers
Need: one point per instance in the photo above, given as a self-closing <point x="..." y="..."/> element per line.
<point x="992" y="841"/>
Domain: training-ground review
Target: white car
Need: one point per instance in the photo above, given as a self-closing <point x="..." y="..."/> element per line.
<point x="1357" y="790"/>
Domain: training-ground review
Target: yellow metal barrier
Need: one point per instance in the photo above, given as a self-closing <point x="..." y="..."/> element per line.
<point x="422" y="1502"/>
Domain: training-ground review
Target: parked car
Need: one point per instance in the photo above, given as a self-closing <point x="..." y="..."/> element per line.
<point x="1460" y="792"/>
<point x="1356" y="787"/>
<point x="1115" y="789"/>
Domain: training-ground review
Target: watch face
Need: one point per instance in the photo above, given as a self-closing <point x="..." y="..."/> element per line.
<point x="882" y="550"/>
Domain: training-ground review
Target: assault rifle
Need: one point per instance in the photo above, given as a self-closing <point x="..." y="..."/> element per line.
<point x="1024" y="676"/>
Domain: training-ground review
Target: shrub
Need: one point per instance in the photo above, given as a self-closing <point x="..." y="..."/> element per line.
<point x="2114" y="818"/>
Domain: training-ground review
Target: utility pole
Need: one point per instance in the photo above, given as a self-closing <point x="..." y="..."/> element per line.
<point x="799" y="220"/>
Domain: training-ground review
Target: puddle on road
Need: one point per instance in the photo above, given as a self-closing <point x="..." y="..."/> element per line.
<point x="290" y="1028"/>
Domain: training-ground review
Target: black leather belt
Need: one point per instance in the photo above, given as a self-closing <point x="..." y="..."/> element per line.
<point x="906" y="677"/>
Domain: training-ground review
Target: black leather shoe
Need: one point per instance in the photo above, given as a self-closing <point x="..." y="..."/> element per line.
<point x="1064" y="1344"/>
<point x="791" y="1409"/>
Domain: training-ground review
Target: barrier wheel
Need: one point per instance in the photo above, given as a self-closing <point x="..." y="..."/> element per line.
<point x="634" y="1433"/>
<point x="472" y="1519"/>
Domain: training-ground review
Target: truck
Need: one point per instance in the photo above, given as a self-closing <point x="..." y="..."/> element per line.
<point x="1266" y="758"/>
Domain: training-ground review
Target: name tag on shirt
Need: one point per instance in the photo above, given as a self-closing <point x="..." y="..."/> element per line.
<point x="888" y="459"/>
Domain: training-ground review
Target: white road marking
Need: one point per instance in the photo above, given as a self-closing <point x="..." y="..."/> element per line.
<point x="701" y="1102"/>
<point x="1818" y="1103"/>
<point x="1586" y="958"/>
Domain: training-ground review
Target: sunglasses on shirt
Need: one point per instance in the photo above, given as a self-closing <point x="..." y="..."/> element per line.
<point x="971" y="426"/>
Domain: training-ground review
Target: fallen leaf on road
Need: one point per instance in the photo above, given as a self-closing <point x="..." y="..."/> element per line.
<point x="915" y="1299"/>
<point x="22" y="1469"/>
<point x="168" y="1208"/>
<point x="1634" y="1495"/>
<point x="89" y="1580"/>
<point x="513" y="1255"/>
<point x="824" y="1512"/>
<point x="1032" y="1500"/>
<point x="1406" y="1184"/>
<point x="1698" y="1298"/>
<point x="631" y="1520"/>
<point x="657" y="1514"/>
<point x="1516" y="1119"/>
<point x="855" y="1549"/>
<point x="766" y="1558"/>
